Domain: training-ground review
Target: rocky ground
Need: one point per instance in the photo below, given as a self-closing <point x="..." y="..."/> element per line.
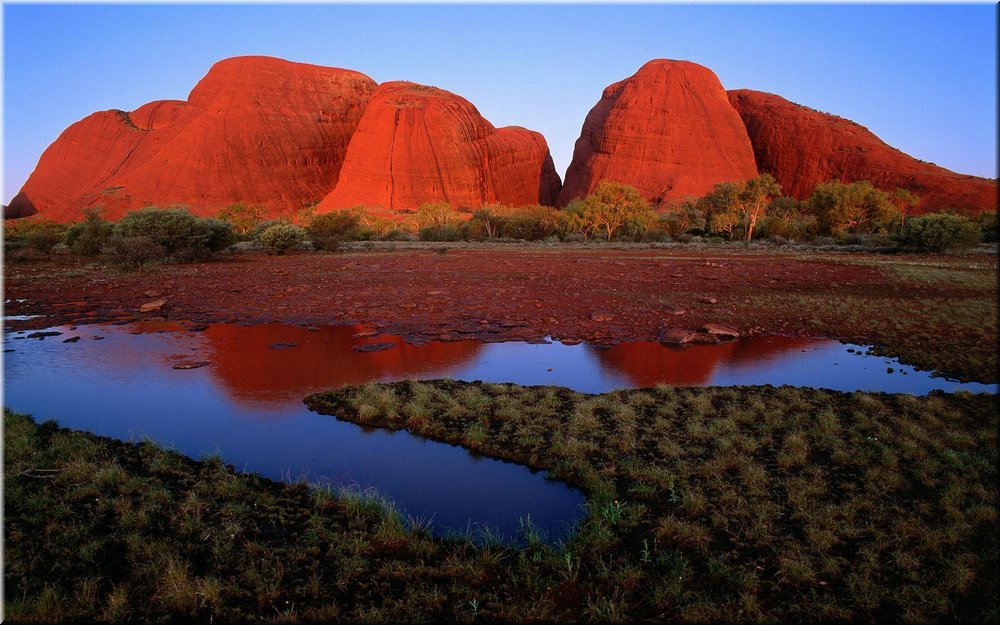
<point x="937" y="312"/>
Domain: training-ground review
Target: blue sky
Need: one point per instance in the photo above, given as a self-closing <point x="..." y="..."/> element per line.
<point x="923" y="77"/>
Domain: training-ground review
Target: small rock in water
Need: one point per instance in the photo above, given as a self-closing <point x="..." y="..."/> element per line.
<point x="373" y="347"/>
<point x="191" y="365"/>
<point x="72" y="339"/>
<point x="41" y="335"/>
<point x="155" y="304"/>
<point x="201" y="327"/>
<point x="676" y="336"/>
<point x="720" y="330"/>
<point x="282" y="345"/>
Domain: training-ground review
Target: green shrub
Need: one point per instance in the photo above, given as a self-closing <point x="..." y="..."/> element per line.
<point x="21" y="228"/>
<point x="281" y="237"/>
<point x="133" y="252"/>
<point x="44" y="239"/>
<point x="988" y="224"/>
<point x="90" y="235"/>
<point x="939" y="232"/>
<point x="262" y="226"/>
<point x="242" y="217"/>
<point x="441" y="233"/>
<point x="397" y="234"/>
<point x="180" y="234"/>
<point x="328" y="230"/>
<point x="221" y="234"/>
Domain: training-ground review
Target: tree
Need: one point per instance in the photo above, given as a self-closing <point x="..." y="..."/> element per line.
<point x="328" y="230"/>
<point x="854" y="207"/>
<point x="612" y="205"/>
<point x="244" y="218"/>
<point x="754" y="198"/>
<point x="722" y="208"/>
<point x="905" y="201"/>
<point x="732" y="205"/>
<point x="436" y="216"/>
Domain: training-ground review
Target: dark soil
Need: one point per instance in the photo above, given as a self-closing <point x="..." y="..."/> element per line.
<point x="935" y="312"/>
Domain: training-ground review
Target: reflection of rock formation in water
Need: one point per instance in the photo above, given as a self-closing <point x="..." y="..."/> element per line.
<point x="649" y="364"/>
<point x="251" y="371"/>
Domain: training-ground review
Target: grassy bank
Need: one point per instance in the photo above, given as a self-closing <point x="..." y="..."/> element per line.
<point x="705" y="505"/>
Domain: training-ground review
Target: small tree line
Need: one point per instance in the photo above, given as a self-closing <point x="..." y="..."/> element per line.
<point x="737" y="211"/>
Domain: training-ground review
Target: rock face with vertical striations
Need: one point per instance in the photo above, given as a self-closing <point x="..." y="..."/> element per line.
<point x="418" y="144"/>
<point x="668" y="131"/>
<point x="802" y="147"/>
<point x="255" y="129"/>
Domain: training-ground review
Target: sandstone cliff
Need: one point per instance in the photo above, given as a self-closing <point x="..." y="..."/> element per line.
<point x="668" y="130"/>
<point x="418" y="144"/>
<point x="254" y="129"/>
<point x="801" y="147"/>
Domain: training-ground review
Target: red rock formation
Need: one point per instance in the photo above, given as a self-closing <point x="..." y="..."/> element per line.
<point x="801" y="148"/>
<point x="418" y="144"/>
<point x="255" y="129"/>
<point x="668" y="130"/>
<point x="651" y="364"/>
<point x="253" y="374"/>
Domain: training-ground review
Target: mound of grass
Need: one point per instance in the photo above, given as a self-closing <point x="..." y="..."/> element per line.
<point x="705" y="505"/>
<point x="744" y="503"/>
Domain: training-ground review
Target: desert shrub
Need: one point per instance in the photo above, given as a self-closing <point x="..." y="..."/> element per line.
<point x="281" y="237"/>
<point x="988" y="224"/>
<point x="655" y="234"/>
<point x="940" y="232"/>
<point x="133" y="252"/>
<point x="854" y="207"/>
<point x="90" y="235"/>
<point x="178" y="232"/>
<point x="436" y="216"/>
<point x="262" y="226"/>
<point x="397" y="234"/>
<point x="242" y="217"/>
<point x="613" y="208"/>
<point x="38" y="234"/>
<point x="21" y="228"/>
<point x="441" y="233"/>
<point x="44" y="239"/>
<point x="530" y="223"/>
<point x="221" y="234"/>
<point x="329" y="230"/>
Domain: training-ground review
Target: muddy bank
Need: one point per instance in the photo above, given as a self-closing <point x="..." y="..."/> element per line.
<point x="574" y="294"/>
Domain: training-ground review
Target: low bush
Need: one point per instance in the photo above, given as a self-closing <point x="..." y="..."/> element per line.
<point x="440" y="234"/>
<point x="220" y="234"/>
<point x="44" y="239"/>
<point x="21" y="228"/>
<point x="262" y="226"/>
<point x="940" y="232"/>
<point x="133" y="252"/>
<point x="328" y="230"/>
<point x="90" y="235"/>
<point x="281" y="237"/>
<point x="180" y="234"/>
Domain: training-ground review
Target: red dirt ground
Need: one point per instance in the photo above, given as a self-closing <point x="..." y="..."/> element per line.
<point x="487" y="294"/>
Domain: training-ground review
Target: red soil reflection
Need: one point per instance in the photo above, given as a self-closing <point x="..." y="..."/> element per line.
<point x="649" y="364"/>
<point x="252" y="371"/>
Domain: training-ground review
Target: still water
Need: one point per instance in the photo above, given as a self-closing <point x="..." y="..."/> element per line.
<point x="246" y="404"/>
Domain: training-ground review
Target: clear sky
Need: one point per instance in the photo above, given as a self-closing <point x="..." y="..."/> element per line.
<point x="923" y="78"/>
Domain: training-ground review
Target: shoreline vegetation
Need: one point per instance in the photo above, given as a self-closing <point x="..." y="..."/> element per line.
<point x="749" y="504"/>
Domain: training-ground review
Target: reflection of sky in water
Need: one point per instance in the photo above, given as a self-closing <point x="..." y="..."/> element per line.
<point x="246" y="405"/>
